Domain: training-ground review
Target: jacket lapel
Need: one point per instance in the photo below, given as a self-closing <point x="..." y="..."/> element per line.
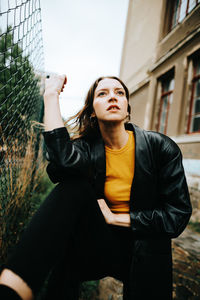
<point x="99" y="161"/>
<point x="143" y="179"/>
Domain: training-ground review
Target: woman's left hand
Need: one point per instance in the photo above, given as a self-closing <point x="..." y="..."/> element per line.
<point x="107" y="213"/>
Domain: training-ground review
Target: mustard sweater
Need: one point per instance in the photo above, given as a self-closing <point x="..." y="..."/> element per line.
<point x="120" y="165"/>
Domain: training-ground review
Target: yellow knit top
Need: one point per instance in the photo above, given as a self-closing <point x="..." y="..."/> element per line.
<point x="120" y="166"/>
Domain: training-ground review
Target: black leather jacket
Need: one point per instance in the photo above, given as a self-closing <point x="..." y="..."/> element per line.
<point x="160" y="205"/>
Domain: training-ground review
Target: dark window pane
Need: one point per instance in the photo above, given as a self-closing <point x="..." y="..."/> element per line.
<point x="197" y="106"/>
<point x="164" y="105"/>
<point x="168" y="85"/>
<point x="165" y="86"/>
<point x="198" y="67"/>
<point x="197" y="89"/>
<point x="196" y="124"/>
<point x="163" y="117"/>
<point x="175" y="13"/>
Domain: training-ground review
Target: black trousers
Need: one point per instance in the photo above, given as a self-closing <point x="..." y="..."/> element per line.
<point x="69" y="239"/>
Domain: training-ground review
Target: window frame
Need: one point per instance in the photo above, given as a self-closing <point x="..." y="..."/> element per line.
<point x="187" y="12"/>
<point x="195" y="78"/>
<point x="168" y="76"/>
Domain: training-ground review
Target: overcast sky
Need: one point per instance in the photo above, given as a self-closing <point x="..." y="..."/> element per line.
<point x="82" y="39"/>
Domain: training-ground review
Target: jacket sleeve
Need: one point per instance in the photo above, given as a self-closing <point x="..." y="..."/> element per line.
<point x="65" y="156"/>
<point x="173" y="211"/>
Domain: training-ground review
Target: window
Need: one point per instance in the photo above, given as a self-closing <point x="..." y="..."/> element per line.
<point x="180" y="9"/>
<point x="166" y="98"/>
<point x="194" y="113"/>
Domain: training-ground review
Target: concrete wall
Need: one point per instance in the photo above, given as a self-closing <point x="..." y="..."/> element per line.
<point x="190" y="150"/>
<point x="141" y="38"/>
<point x="138" y="102"/>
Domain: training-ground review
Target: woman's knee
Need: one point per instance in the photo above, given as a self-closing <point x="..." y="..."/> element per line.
<point x="12" y="280"/>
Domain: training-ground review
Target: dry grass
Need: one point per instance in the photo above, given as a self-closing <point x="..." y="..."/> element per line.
<point x="21" y="167"/>
<point x="21" y="173"/>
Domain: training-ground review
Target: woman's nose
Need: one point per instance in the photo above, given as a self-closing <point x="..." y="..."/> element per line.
<point x="112" y="97"/>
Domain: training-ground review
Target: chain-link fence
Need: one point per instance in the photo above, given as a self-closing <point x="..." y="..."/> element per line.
<point x="21" y="66"/>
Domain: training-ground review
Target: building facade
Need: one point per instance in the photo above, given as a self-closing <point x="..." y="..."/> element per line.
<point x="161" y="67"/>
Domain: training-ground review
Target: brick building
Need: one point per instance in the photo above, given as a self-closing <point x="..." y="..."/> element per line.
<point x="161" y="67"/>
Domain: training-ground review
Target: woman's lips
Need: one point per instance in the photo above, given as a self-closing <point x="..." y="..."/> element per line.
<point x="113" y="107"/>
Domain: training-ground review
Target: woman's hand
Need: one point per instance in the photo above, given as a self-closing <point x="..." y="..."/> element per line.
<point x="54" y="85"/>
<point x="112" y="218"/>
<point x="107" y="213"/>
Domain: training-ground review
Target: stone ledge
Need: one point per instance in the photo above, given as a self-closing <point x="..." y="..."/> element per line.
<point x="186" y="266"/>
<point x="186" y="271"/>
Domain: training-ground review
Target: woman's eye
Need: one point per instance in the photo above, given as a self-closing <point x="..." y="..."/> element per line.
<point x="120" y="92"/>
<point x="101" y="94"/>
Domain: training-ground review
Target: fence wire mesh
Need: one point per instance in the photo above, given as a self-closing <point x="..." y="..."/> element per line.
<point x="21" y="69"/>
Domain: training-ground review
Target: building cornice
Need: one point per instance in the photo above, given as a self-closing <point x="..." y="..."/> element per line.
<point x="175" y="49"/>
<point x="139" y="85"/>
<point x="187" y="138"/>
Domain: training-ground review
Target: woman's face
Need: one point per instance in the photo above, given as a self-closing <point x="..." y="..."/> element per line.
<point x="110" y="103"/>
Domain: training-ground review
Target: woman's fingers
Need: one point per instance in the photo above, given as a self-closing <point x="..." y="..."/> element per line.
<point x="64" y="78"/>
<point x="65" y="81"/>
<point x="55" y="83"/>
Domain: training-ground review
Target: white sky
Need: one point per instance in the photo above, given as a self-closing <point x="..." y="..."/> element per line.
<point x="82" y="39"/>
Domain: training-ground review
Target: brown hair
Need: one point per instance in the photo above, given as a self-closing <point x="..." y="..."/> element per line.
<point x="84" y="124"/>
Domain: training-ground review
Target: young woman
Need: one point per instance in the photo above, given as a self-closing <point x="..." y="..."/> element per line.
<point x="120" y="199"/>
